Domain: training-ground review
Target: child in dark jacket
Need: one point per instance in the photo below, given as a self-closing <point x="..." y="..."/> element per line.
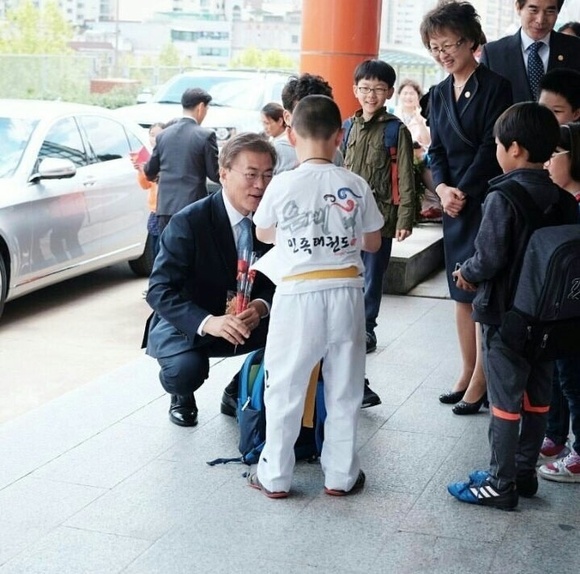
<point x="519" y="389"/>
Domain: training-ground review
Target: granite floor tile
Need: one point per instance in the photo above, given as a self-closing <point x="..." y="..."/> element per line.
<point x="73" y="551"/>
<point x="150" y="502"/>
<point x="42" y="503"/>
<point x="109" y="457"/>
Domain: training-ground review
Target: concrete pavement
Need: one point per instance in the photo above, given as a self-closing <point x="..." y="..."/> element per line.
<point x="99" y="481"/>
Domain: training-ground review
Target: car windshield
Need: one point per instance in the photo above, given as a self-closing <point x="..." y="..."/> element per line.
<point x="244" y="94"/>
<point x="171" y="92"/>
<point x="14" y="136"/>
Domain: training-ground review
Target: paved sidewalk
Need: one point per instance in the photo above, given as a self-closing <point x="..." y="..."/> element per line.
<point x="99" y="481"/>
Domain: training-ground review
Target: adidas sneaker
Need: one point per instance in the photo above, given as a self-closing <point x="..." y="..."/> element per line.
<point x="479" y="490"/>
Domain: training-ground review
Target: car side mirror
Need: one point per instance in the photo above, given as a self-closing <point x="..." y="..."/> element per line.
<point x="54" y="168"/>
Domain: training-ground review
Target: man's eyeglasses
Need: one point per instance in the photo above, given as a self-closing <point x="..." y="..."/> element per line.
<point x="561" y="152"/>
<point x="366" y="90"/>
<point x="446" y="48"/>
<point x="253" y="176"/>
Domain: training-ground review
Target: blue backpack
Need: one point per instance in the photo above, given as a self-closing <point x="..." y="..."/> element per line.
<point x="251" y="415"/>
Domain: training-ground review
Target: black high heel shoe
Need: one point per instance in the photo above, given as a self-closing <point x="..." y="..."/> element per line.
<point x="463" y="408"/>
<point x="451" y="397"/>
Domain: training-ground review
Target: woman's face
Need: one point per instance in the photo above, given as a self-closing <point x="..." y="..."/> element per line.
<point x="559" y="167"/>
<point x="409" y="98"/>
<point x="452" y="52"/>
<point x="272" y="127"/>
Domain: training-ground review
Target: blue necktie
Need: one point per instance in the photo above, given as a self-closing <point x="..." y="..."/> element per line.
<point x="244" y="239"/>
<point x="535" y="68"/>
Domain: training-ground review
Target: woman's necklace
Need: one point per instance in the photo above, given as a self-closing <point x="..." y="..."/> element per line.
<point x="322" y="159"/>
<point x="461" y="86"/>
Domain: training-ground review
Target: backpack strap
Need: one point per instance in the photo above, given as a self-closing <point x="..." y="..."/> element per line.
<point x="346" y="126"/>
<point x="391" y="140"/>
<point x="521" y="201"/>
<point x="391" y="143"/>
<point x="531" y="213"/>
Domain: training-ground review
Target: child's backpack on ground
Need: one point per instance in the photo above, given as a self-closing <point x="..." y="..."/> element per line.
<point x="544" y="321"/>
<point x="251" y="414"/>
<point x="391" y="141"/>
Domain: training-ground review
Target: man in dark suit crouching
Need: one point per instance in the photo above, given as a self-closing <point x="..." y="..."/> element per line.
<point x="193" y="272"/>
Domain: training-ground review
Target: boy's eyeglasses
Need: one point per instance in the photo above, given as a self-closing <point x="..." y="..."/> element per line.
<point x="366" y="90"/>
<point x="252" y="176"/>
<point x="446" y="48"/>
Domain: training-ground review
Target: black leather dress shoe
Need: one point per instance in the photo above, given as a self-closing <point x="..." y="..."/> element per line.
<point x="370" y="398"/>
<point x="451" y="397"/>
<point x="229" y="404"/>
<point x="183" y="410"/>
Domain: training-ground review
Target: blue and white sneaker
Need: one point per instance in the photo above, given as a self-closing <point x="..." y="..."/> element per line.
<point x="479" y="490"/>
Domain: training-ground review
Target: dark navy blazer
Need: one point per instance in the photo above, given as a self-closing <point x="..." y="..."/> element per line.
<point x="505" y="57"/>
<point x="462" y="155"/>
<point x="193" y="272"/>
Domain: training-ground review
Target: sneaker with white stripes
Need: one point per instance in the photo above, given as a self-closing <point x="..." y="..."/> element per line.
<point x="479" y="490"/>
<point x="562" y="470"/>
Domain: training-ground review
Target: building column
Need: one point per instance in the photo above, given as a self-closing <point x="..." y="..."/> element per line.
<point x="337" y="35"/>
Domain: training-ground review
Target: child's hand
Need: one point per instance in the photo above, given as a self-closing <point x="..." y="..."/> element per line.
<point x="402" y="234"/>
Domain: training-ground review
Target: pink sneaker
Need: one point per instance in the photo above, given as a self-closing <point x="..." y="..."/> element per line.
<point x="551" y="452"/>
<point x="562" y="470"/>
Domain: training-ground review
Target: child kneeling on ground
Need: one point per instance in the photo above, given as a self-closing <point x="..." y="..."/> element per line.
<point x="320" y="217"/>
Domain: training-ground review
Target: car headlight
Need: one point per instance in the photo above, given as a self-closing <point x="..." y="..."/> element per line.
<point x="224" y="134"/>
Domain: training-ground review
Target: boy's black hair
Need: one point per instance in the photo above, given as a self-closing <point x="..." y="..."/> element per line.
<point x="564" y="82"/>
<point x="570" y="141"/>
<point x="574" y="26"/>
<point x="297" y="87"/>
<point x="532" y="126"/>
<point x="451" y="16"/>
<point x="522" y="3"/>
<point x="375" y="70"/>
<point x="316" y="117"/>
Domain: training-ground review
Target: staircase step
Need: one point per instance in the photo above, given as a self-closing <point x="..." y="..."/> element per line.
<point x="414" y="259"/>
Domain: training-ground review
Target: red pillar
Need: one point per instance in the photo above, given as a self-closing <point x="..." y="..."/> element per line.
<point x="336" y="36"/>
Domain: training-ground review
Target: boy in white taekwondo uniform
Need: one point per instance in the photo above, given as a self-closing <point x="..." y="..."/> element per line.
<point x="320" y="217"/>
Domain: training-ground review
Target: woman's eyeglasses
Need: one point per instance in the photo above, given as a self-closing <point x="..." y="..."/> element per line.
<point x="446" y="48"/>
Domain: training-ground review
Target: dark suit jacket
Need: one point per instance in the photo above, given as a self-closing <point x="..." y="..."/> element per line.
<point x="193" y="272"/>
<point x="462" y="155"/>
<point x="505" y="57"/>
<point x="184" y="156"/>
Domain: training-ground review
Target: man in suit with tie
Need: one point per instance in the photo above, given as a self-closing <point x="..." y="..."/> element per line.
<point x="195" y="269"/>
<point x="536" y="48"/>
<point x="184" y="156"/>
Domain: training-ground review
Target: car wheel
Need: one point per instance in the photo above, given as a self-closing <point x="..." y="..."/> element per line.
<point x="3" y="284"/>
<point x="143" y="265"/>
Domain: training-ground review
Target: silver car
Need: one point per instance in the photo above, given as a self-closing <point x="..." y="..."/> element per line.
<point x="69" y="198"/>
